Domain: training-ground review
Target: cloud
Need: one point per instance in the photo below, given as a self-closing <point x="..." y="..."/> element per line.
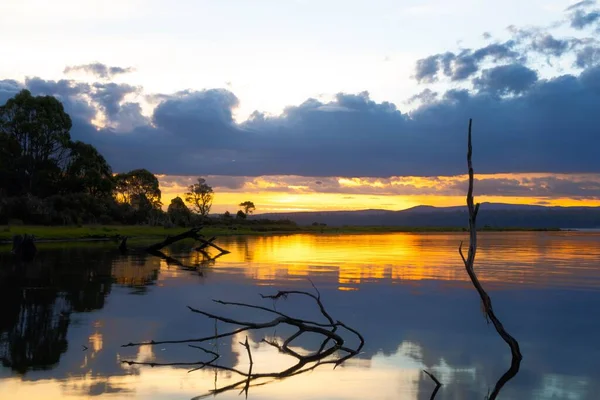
<point x="109" y="96"/>
<point x="85" y="102"/>
<point x="463" y="65"/>
<point x="581" y="4"/>
<point x="525" y="121"/>
<point x="549" y="45"/>
<point x="425" y="96"/>
<point x="99" y="70"/>
<point x="506" y="79"/>
<point x="9" y="88"/>
<point x="588" y="57"/>
<point x="521" y="125"/>
<point x="581" y="19"/>
<point x="575" y="186"/>
<point x="72" y="94"/>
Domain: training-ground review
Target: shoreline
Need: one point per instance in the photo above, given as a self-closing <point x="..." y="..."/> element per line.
<point x="105" y="233"/>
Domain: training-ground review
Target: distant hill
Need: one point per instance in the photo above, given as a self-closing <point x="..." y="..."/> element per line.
<point x="490" y="214"/>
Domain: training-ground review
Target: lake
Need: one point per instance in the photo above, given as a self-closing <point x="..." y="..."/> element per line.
<point x="65" y="316"/>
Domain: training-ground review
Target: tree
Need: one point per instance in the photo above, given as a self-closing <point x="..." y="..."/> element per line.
<point x="87" y="171"/>
<point x="200" y="196"/>
<point x="10" y="151"/>
<point x="248" y="207"/>
<point x="240" y="215"/>
<point x="178" y="212"/>
<point x="131" y="186"/>
<point x="41" y="128"/>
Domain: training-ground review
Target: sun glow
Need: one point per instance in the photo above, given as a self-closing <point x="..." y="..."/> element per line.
<point x="295" y="193"/>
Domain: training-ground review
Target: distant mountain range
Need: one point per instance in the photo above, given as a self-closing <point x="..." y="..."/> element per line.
<point x="496" y="215"/>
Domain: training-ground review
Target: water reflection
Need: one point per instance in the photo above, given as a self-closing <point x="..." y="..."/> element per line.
<point x="411" y="300"/>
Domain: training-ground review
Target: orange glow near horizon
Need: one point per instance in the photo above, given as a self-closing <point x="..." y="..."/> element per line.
<point x="347" y="261"/>
<point x="294" y="193"/>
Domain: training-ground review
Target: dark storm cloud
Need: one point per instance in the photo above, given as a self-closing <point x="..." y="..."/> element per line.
<point x="194" y="133"/>
<point x="506" y="79"/>
<point x="523" y="122"/>
<point x="352" y="135"/>
<point x="99" y="70"/>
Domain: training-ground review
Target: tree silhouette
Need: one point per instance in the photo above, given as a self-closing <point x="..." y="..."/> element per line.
<point x="248" y="207"/>
<point x="40" y="127"/>
<point x="200" y="196"/>
<point x="178" y="212"/>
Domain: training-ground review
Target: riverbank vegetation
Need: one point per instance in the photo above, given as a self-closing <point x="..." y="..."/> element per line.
<point x="46" y="178"/>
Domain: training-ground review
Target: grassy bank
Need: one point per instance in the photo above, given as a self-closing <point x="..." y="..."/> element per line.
<point x="90" y="232"/>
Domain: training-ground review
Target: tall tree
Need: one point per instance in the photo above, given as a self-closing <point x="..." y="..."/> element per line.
<point x="200" y="195"/>
<point x="87" y="171"/>
<point x="10" y="151"/>
<point x="132" y="186"/>
<point x="248" y="207"/>
<point x="41" y="127"/>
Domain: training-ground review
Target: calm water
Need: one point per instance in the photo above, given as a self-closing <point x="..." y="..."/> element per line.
<point x="406" y="293"/>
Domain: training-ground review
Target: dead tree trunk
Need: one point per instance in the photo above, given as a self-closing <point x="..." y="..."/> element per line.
<point x="192" y="233"/>
<point x="469" y="262"/>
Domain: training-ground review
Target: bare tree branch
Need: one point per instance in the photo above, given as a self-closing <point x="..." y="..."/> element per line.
<point x="438" y="384"/>
<point x="469" y="262"/>
<point x="333" y="343"/>
<point x="192" y="233"/>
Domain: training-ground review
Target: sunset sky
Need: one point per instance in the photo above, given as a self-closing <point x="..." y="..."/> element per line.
<point x="324" y="105"/>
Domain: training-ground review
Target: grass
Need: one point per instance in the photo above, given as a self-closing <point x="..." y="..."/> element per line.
<point x="98" y="232"/>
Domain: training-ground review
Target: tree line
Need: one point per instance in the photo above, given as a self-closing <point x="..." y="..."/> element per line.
<point x="48" y="178"/>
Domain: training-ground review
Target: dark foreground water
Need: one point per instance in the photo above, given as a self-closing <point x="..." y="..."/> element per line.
<point x="64" y="317"/>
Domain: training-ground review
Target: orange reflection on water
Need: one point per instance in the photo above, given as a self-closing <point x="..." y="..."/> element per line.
<point x="538" y="258"/>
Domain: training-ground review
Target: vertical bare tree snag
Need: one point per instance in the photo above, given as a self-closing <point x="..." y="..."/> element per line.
<point x="438" y="384"/>
<point x="485" y="298"/>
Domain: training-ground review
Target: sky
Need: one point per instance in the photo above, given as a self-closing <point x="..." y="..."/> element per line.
<point x="322" y="105"/>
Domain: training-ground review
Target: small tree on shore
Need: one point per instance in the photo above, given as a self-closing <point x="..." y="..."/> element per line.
<point x="200" y="196"/>
<point x="248" y="207"/>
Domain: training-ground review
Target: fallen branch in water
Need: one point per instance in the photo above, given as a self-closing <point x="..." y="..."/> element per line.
<point x="333" y="343"/>
<point x="156" y="248"/>
<point x="192" y="233"/>
<point x="469" y="262"/>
